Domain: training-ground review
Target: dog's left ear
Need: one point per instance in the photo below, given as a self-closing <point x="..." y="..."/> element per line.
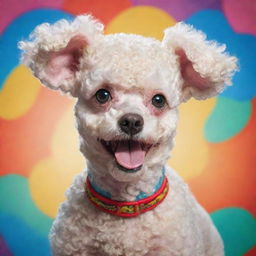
<point x="204" y="66"/>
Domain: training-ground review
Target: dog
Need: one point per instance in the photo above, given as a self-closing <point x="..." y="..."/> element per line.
<point x="128" y="88"/>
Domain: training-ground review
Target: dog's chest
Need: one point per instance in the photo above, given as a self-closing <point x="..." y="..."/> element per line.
<point x="165" y="230"/>
<point x="140" y="235"/>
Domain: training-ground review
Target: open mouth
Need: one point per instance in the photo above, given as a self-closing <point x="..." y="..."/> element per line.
<point x="129" y="154"/>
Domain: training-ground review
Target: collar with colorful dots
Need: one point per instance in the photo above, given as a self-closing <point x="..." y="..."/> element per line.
<point x="126" y="208"/>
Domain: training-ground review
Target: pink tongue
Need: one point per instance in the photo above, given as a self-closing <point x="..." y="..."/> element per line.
<point x="129" y="154"/>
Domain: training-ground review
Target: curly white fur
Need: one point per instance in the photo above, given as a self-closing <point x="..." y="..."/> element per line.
<point x="134" y="69"/>
<point x="36" y="52"/>
<point x="208" y="58"/>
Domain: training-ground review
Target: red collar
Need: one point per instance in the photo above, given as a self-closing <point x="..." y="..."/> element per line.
<point x="127" y="209"/>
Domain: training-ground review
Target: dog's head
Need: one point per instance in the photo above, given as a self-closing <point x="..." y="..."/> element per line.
<point x="128" y="87"/>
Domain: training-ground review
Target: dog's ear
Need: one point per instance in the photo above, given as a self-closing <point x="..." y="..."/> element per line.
<point x="54" y="52"/>
<point x="204" y="66"/>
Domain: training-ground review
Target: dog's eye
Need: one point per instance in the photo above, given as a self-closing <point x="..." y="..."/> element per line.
<point x="103" y="96"/>
<point x="159" y="101"/>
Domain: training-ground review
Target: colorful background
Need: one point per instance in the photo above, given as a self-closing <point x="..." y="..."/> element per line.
<point x="215" y="150"/>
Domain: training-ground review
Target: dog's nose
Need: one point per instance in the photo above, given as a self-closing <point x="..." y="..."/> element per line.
<point x="131" y="123"/>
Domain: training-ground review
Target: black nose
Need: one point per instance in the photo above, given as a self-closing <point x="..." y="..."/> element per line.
<point x="131" y="123"/>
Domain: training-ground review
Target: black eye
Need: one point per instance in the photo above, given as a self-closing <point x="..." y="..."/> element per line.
<point x="103" y="96"/>
<point x="159" y="101"/>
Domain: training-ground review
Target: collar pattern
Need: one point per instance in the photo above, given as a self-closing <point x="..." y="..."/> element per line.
<point x="126" y="208"/>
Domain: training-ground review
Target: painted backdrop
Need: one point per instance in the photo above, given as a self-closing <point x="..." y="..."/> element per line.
<point x="216" y="143"/>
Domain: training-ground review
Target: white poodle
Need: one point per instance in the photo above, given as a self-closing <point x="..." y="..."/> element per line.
<point x="128" y="88"/>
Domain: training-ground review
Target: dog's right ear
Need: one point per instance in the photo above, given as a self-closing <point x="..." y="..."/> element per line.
<point x="55" y="51"/>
